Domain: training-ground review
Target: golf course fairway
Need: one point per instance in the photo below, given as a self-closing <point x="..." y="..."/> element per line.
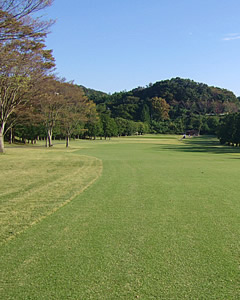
<point x="151" y="217"/>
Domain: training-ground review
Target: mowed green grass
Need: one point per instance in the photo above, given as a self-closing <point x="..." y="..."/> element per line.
<point x="35" y="183"/>
<point x="162" y="221"/>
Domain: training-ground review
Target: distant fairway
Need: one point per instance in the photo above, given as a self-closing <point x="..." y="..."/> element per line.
<point x="148" y="217"/>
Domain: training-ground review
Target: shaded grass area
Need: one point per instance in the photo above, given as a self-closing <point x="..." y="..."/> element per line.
<point x="34" y="183"/>
<point x="160" y="223"/>
<point x="203" y="144"/>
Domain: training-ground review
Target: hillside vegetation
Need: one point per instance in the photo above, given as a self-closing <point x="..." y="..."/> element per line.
<point x="168" y="106"/>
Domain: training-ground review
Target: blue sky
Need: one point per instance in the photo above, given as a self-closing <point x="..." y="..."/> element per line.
<point x="115" y="45"/>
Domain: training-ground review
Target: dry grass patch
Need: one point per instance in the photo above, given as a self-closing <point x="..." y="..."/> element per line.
<point x="36" y="182"/>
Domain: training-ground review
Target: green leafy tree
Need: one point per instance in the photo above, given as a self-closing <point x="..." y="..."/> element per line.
<point x="94" y="129"/>
<point x="109" y="126"/>
<point x="227" y="129"/>
<point x="145" y="114"/>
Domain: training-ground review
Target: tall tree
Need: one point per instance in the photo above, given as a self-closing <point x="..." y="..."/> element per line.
<point x="16" y="20"/>
<point x="77" y="109"/>
<point x="23" y="58"/>
<point x="22" y="64"/>
<point x="145" y="114"/>
<point x="227" y="129"/>
<point x="48" y="103"/>
<point x="109" y="126"/>
<point x="160" y="108"/>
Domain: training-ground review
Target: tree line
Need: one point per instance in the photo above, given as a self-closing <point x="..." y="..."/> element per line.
<point x="33" y="101"/>
<point x="229" y="130"/>
<point x="35" y="104"/>
<point x="170" y="106"/>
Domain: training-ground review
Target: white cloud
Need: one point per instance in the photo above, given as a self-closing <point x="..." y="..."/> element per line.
<point x="231" y="36"/>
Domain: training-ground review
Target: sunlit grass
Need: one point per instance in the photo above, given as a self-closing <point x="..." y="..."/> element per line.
<point x="162" y="222"/>
<point x="35" y="182"/>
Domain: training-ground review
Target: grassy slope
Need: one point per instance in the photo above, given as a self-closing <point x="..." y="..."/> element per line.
<point x="162" y="222"/>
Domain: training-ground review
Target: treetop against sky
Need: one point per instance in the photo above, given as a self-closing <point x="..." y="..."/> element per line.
<point x="117" y="45"/>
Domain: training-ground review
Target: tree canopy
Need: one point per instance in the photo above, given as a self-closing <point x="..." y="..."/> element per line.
<point x="170" y="106"/>
<point x="16" y="21"/>
<point x="23" y="57"/>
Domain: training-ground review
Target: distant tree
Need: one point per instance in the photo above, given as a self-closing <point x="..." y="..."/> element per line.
<point x="145" y="114"/>
<point x="124" y="106"/>
<point x="179" y="125"/>
<point x="129" y="127"/>
<point x="162" y="127"/>
<point x="94" y="129"/>
<point x="184" y="100"/>
<point x="77" y="109"/>
<point x="213" y="123"/>
<point x="160" y="108"/>
<point x="48" y="103"/>
<point x="142" y="127"/>
<point x="196" y="122"/>
<point x="109" y="126"/>
<point x="121" y="126"/>
<point x="236" y="132"/>
<point x="227" y="129"/>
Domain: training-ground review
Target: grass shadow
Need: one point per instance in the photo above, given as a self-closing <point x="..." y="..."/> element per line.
<point x="203" y="144"/>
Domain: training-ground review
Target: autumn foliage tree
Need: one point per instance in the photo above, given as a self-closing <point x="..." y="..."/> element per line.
<point x="23" y="57"/>
<point x="22" y="64"/>
<point x="159" y="108"/>
<point x="17" y="23"/>
<point x="63" y="105"/>
<point x="76" y="111"/>
<point x="47" y="104"/>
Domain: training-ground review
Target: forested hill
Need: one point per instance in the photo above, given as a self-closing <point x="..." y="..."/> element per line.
<point x="168" y="106"/>
<point x="93" y="94"/>
<point x="184" y="96"/>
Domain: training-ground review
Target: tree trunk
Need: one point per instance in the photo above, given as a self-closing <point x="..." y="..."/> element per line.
<point x="67" y="140"/>
<point x="2" y="139"/>
<point x="49" y="138"/>
<point x="11" y="136"/>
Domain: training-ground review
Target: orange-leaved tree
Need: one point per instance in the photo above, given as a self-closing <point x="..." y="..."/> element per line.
<point x="76" y="111"/>
<point x="159" y="109"/>
<point x="22" y="64"/>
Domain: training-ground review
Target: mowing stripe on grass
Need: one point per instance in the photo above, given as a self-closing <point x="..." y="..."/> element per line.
<point x="162" y="222"/>
<point x="36" y="192"/>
